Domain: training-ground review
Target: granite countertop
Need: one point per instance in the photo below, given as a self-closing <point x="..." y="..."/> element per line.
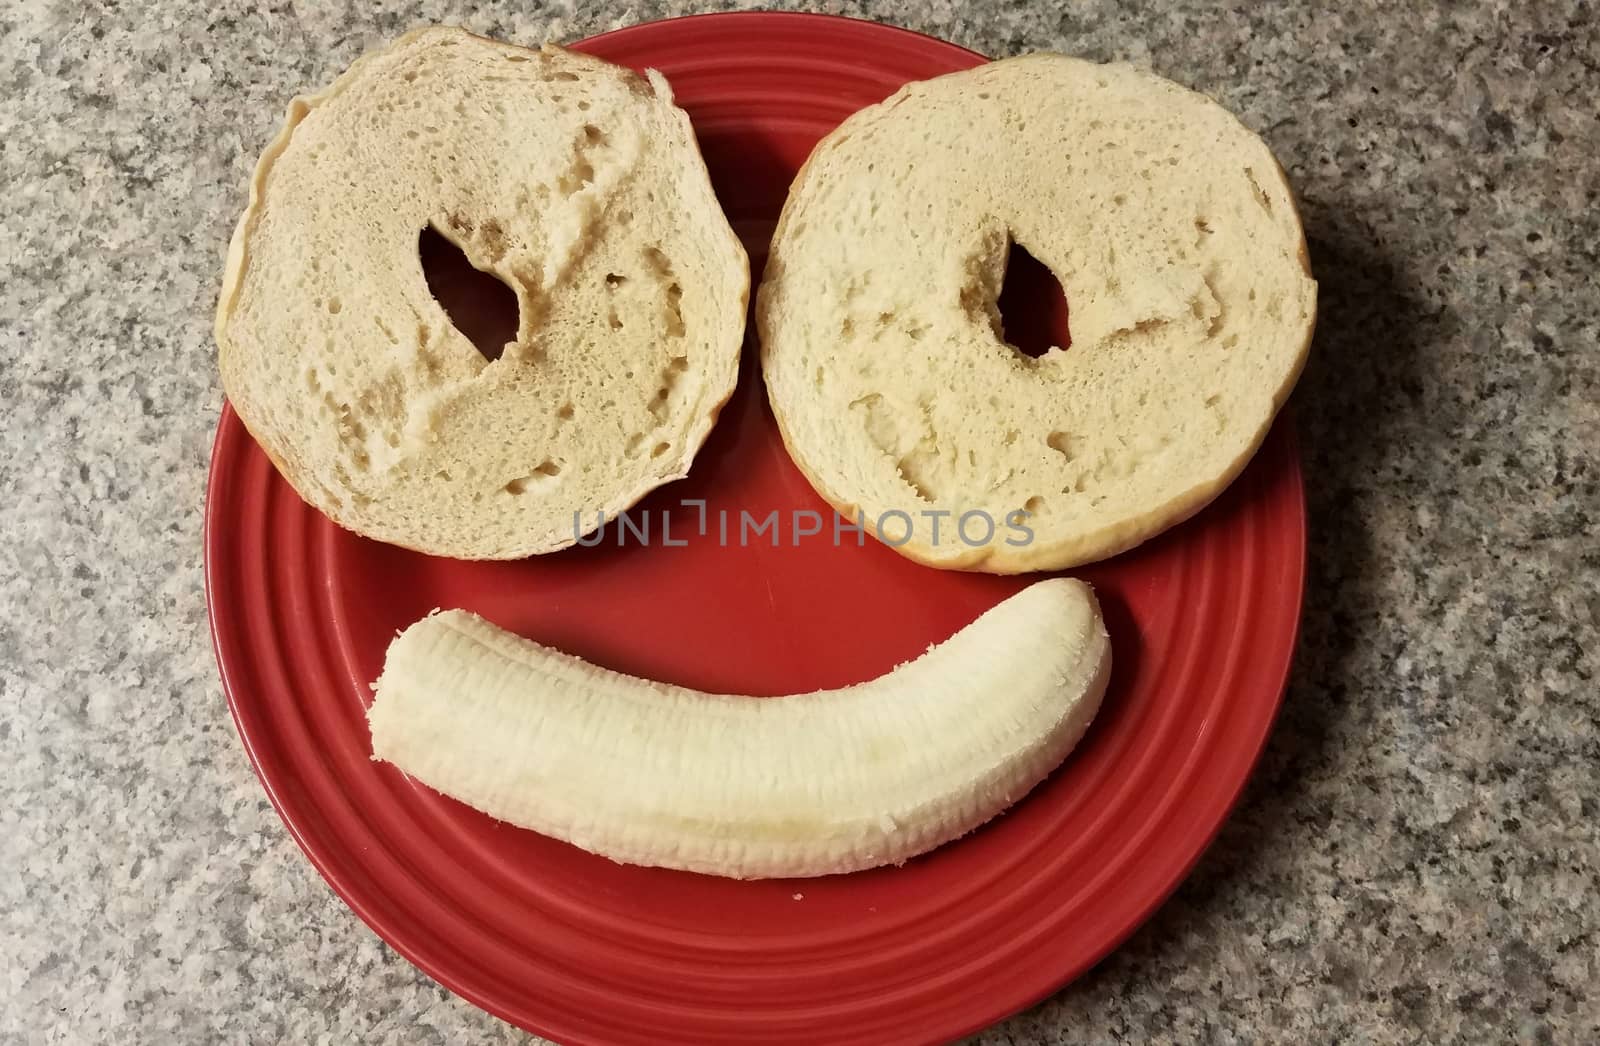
<point x="1416" y="859"/>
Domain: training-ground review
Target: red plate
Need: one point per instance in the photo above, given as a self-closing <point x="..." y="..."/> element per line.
<point x="582" y="950"/>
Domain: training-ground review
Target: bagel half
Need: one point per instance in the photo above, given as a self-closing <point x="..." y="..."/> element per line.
<point x="579" y="185"/>
<point x="1171" y="228"/>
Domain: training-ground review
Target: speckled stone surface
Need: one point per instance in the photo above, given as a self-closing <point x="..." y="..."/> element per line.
<point x="1416" y="860"/>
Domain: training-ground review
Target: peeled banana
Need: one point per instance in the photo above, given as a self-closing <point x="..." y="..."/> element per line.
<point x="812" y="784"/>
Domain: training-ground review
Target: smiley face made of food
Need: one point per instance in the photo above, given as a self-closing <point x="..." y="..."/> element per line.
<point x="580" y="186"/>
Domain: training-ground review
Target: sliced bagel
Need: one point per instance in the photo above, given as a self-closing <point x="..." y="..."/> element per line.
<point x="579" y="185"/>
<point x="1175" y="236"/>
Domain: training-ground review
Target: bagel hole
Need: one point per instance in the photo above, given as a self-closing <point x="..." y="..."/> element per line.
<point x="479" y="304"/>
<point x="1032" y="304"/>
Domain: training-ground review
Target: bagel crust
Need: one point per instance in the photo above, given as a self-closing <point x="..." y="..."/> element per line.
<point x="578" y="184"/>
<point x="1172" y="230"/>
